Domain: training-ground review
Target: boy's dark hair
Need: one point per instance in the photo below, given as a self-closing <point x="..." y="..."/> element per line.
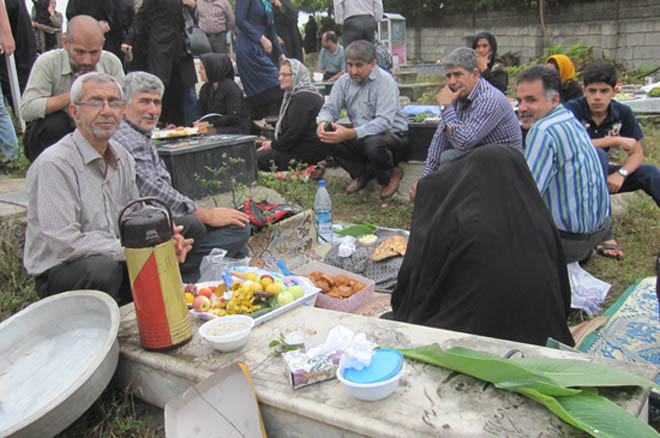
<point x="600" y="71"/>
<point x="549" y="76"/>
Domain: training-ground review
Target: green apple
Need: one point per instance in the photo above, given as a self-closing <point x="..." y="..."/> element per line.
<point x="284" y="298"/>
<point x="297" y="291"/>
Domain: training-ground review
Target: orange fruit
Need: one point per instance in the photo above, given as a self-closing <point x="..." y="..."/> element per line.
<point x="273" y="289"/>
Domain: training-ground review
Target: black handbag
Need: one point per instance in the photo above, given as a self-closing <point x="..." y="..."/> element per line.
<point x="195" y="41"/>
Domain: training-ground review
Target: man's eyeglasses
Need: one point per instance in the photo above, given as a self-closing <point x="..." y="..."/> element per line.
<point x="114" y="104"/>
<point x="285" y="74"/>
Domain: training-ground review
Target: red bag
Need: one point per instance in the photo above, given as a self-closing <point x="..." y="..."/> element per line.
<point x="263" y="213"/>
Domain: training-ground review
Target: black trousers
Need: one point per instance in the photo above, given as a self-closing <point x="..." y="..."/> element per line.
<point x="376" y="154"/>
<point x="45" y="132"/>
<point x="359" y="27"/>
<point x="97" y="272"/>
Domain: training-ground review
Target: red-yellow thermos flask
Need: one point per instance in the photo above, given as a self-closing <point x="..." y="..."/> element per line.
<point x="146" y="235"/>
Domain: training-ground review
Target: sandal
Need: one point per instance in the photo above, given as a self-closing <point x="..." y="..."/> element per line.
<point x="607" y="249"/>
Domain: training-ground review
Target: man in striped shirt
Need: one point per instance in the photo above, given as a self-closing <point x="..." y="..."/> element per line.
<point x="216" y="19"/>
<point x="474" y="113"/>
<point x="564" y="164"/>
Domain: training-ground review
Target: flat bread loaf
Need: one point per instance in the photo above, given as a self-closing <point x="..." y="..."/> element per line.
<point x="391" y="247"/>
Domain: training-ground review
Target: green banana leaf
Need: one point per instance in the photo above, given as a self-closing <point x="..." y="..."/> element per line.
<point x="357" y="230"/>
<point x="487" y="367"/>
<point x="593" y="414"/>
<point x="570" y="372"/>
<point x="545" y="381"/>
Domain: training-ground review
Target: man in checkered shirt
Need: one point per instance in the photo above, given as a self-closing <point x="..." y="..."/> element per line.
<point x="224" y="228"/>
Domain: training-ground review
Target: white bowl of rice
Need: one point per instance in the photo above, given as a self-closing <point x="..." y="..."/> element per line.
<point x="227" y="333"/>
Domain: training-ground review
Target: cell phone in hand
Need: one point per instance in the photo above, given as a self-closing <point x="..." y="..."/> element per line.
<point x="328" y="127"/>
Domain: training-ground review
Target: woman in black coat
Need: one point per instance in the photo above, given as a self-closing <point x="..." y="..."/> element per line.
<point x="491" y="68"/>
<point x="295" y="132"/>
<point x="158" y="35"/>
<point x="484" y="256"/>
<point x="220" y="99"/>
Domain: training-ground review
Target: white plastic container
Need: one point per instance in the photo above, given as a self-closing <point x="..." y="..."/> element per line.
<point x="229" y="342"/>
<point x="371" y="391"/>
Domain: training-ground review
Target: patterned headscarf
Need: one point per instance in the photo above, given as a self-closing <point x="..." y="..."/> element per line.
<point x="267" y="5"/>
<point x="301" y="83"/>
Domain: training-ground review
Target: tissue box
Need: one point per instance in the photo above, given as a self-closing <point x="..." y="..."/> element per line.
<point x="348" y="305"/>
<point x="303" y="371"/>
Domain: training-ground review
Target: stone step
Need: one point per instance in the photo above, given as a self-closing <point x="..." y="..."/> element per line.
<point x="415" y="91"/>
<point x="405" y="77"/>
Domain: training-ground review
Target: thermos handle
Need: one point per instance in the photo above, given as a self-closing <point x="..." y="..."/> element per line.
<point x="143" y="200"/>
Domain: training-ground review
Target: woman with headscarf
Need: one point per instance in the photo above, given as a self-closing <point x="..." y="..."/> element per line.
<point x="295" y="131"/>
<point x="220" y="98"/>
<point x="491" y="68"/>
<point x="570" y="88"/>
<point x="484" y="256"/>
<point x="257" y="46"/>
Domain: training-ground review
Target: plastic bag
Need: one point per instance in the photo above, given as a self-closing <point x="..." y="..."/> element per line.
<point x="347" y="246"/>
<point x="214" y="264"/>
<point x="587" y="291"/>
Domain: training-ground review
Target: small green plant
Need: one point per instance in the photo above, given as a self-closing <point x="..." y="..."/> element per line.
<point x="226" y="171"/>
<point x="280" y="346"/>
<point x="292" y="184"/>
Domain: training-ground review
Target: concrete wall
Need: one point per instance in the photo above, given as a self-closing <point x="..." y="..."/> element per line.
<point x="633" y="39"/>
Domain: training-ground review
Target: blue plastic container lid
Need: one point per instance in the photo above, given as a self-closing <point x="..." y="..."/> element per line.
<point x="385" y="364"/>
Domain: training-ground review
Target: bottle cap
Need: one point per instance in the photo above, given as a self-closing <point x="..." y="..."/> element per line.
<point x="322" y="183"/>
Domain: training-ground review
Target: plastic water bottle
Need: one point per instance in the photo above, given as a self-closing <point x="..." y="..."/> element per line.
<point x="323" y="211"/>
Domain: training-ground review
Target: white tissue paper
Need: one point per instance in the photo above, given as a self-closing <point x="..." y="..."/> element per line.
<point x="347" y="246"/>
<point x="357" y="349"/>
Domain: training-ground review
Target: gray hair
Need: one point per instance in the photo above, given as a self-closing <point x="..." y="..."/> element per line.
<point x="548" y="76"/>
<point x="361" y="50"/>
<point x="463" y="57"/>
<point x="98" y="77"/>
<point x="141" y="82"/>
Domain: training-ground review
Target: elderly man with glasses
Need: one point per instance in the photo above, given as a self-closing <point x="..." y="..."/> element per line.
<point x="76" y="189"/>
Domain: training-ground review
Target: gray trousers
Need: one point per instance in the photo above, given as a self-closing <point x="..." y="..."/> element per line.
<point x="218" y="42"/>
<point x="578" y="246"/>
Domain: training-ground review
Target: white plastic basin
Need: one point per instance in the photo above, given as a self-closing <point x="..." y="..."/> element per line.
<point x="56" y="358"/>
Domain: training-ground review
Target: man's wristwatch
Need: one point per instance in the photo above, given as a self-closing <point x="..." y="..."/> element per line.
<point x="443" y="108"/>
<point x="623" y="172"/>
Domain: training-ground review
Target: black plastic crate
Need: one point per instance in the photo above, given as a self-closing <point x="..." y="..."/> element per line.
<point x="186" y="157"/>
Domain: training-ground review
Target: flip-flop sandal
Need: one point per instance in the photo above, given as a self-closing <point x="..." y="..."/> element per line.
<point x="604" y="247"/>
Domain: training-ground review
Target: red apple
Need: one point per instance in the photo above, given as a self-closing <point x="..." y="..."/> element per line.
<point x="201" y="304"/>
<point x="205" y="292"/>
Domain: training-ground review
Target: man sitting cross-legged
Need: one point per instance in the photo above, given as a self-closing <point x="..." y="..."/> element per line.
<point x="375" y="143"/>
<point x="76" y="189"/>
<point x="474" y="113"/>
<point x="564" y="164"/>
<point x="224" y="227"/>
<point x="612" y="124"/>
<point x="45" y="103"/>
